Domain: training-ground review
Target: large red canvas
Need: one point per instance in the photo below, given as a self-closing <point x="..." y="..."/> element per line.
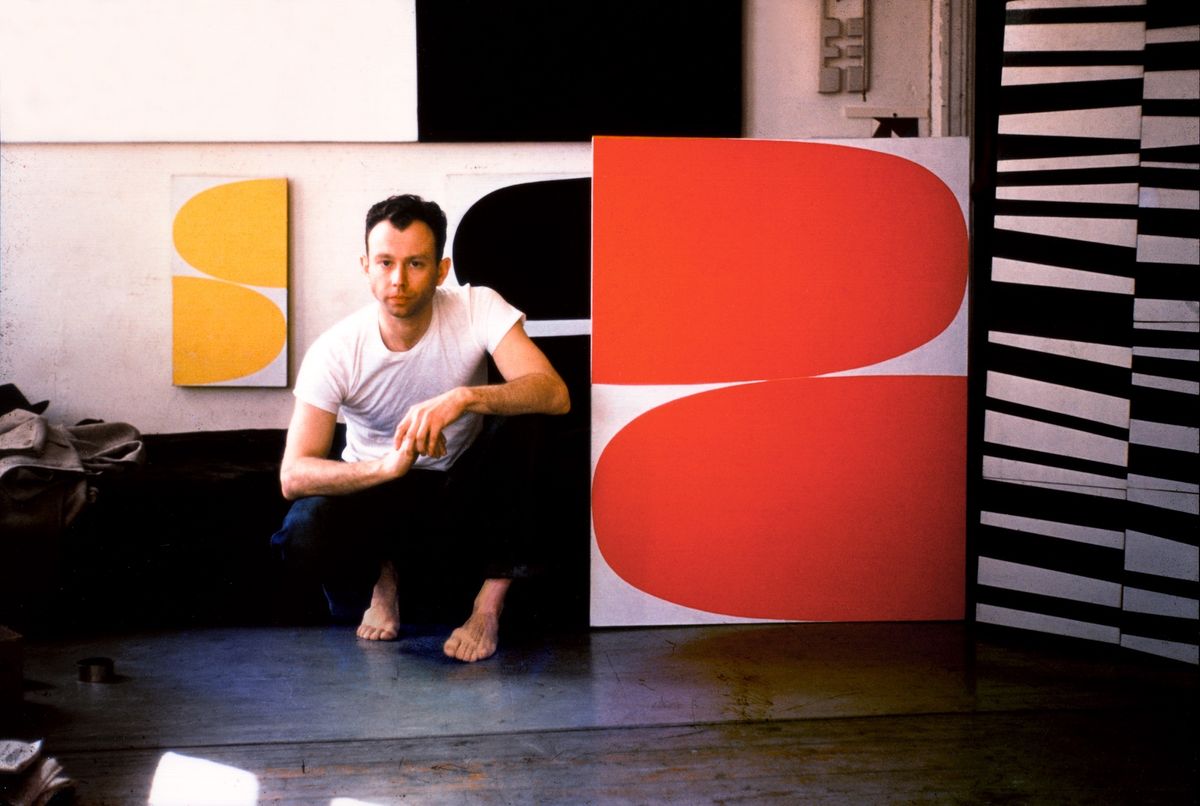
<point x="792" y="496"/>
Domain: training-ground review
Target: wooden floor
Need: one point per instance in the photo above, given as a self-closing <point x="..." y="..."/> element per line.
<point x="808" y="713"/>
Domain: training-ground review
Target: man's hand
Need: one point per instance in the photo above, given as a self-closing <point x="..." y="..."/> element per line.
<point x="398" y="461"/>
<point x="531" y="386"/>
<point x="420" y="432"/>
<point x="306" y="471"/>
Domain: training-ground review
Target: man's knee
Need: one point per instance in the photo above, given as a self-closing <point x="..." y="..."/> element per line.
<point x="509" y="448"/>
<point x="304" y="529"/>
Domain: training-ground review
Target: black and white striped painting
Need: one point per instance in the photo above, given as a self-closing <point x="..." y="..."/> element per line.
<point x="1086" y="518"/>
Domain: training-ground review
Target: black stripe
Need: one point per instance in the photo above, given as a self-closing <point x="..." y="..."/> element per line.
<point x="1179" y="368"/>
<point x="1171" y="14"/>
<point x="1185" y="154"/>
<point x="1162" y="463"/>
<point x="1177" y="630"/>
<point x="1163" y="628"/>
<point x="1052" y="97"/>
<point x="1170" y="221"/>
<point x="1165" y="406"/>
<point x="1182" y="178"/>
<point x="1164" y="56"/>
<point x="1061" y="506"/>
<point x="1034" y="146"/>
<point x="1167" y="281"/>
<point x="1169" y="524"/>
<point x="1027" y="207"/>
<point x="1186" y="588"/>
<point x="1059" y="16"/>
<point x="1159" y="406"/>
<point x="1049" y="606"/>
<point x="1048" y="250"/>
<point x="1059" y="462"/>
<point x="1071" y="58"/>
<point x="1171" y="339"/>
<point x="1091" y="376"/>
<point x="1171" y="107"/>
<point x="1056" y="554"/>
<point x="1057" y="313"/>
<point x="1071" y="176"/>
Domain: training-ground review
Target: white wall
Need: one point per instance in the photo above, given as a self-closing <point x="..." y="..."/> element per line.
<point x="782" y="57"/>
<point x="85" y="295"/>
<point x="85" y="300"/>
<point x="208" y="70"/>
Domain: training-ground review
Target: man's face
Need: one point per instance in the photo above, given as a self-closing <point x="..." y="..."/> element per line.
<point x="402" y="268"/>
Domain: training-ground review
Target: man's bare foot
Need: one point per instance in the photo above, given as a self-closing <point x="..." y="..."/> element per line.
<point x="475" y="640"/>
<point x="381" y="621"/>
<point x="479" y="637"/>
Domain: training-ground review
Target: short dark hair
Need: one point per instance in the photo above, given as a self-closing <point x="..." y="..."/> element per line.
<point x="401" y="211"/>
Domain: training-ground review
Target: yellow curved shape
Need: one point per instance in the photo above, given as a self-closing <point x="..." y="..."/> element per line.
<point x="223" y="331"/>
<point x="237" y="232"/>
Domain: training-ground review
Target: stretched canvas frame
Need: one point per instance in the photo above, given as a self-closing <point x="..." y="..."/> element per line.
<point x="779" y="380"/>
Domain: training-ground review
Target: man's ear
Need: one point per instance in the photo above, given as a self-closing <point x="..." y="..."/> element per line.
<point x="365" y="262"/>
<point x="443" y="270"/>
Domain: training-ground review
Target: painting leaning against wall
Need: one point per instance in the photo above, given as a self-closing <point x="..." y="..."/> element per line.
<point x="778" y="380"/>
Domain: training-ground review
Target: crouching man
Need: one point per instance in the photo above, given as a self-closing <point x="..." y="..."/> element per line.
<point x="408" y="373"/>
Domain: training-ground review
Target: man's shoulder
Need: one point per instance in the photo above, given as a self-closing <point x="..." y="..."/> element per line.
<point x="467" y="295"/>
<point x="458" y="291"/>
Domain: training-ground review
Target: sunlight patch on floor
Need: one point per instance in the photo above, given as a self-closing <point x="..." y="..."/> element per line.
<point x="183" y="779"/>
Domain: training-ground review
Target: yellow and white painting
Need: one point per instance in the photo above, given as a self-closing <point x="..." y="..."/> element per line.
<point x="229" y="281"/>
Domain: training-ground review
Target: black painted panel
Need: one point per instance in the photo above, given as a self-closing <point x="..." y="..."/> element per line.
<point x="548" y="70"/>
<point x="532" y="243"/>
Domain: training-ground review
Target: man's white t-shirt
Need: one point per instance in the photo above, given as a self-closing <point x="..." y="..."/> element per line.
<point x="349" y="370"/>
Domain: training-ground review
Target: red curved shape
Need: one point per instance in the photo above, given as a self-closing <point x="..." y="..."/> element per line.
<point x="836" y="499"/>
<point x="728" y="260"/>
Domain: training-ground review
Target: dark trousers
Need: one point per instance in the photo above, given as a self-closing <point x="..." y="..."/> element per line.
<point x="478" y="518"/>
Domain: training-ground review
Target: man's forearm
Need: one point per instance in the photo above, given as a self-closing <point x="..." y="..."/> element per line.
<point x="306" y="476"/>
<point x="536" y="393"/>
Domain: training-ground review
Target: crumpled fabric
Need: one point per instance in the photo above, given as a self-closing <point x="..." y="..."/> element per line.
<point x="44" y="468"/>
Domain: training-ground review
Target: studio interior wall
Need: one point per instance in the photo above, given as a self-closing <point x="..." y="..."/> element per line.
<point x="85" y="295"/>
<point x="783" y="54"/>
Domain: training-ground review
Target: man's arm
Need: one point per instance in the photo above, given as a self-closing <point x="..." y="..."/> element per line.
<point x="531" y="386"/>
<point x="306" y="470"/>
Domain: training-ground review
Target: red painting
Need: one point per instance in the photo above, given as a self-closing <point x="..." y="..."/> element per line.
<point x="769" y="264"/>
